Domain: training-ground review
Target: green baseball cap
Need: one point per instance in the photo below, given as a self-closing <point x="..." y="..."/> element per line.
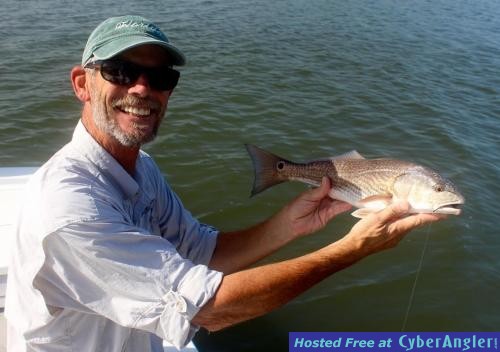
<point x="117" y="34"/>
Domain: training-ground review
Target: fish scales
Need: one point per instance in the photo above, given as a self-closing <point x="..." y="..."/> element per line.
<point x="354" y="180"/>
<point x="371" y="175"/>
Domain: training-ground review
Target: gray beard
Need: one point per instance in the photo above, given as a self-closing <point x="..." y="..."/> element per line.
<point x="110" y="127"/>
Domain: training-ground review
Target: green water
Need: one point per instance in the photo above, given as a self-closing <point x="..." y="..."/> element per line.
<point x="415" y="80"/>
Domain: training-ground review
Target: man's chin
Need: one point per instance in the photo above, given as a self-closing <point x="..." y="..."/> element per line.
<point x="134" y="140"/>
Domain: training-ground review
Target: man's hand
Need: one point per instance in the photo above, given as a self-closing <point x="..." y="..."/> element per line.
<point x="312" y="210"/>
<point x="385" y="229"/>
<point x="306" y="214"/>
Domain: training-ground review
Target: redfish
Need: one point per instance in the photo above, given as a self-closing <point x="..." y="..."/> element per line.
<point x="368" y="184"/>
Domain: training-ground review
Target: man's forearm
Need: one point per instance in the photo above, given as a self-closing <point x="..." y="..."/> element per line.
<point x="247" y="294"/>
<point x="239" y="249"/>
<point x="304" y="215"/>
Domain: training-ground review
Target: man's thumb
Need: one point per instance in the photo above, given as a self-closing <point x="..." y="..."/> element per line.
<point x="322" y="191"/>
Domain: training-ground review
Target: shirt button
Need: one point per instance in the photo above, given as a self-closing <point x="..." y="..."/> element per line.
<point x="181" y="305"/>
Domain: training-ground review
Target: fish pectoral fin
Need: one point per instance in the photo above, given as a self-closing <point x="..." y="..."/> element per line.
<point x="377" y="202"/>
<point x="371" y="205"/>
<point x="363" y="212"/>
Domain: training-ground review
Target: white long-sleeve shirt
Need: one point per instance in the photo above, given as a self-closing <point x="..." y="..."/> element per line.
<point x="103" y="261"/>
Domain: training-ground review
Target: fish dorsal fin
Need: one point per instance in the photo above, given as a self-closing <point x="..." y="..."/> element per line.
<point x="353" y="154"/>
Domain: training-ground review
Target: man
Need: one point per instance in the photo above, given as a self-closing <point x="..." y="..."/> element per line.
<point x="107" y="258"/>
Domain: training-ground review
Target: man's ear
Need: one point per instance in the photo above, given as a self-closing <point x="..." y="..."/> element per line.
<point x="79" y="80"/>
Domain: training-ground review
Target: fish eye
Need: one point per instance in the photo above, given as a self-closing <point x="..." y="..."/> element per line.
<point x="438" y="188"/>
<point x="280" y="166"/>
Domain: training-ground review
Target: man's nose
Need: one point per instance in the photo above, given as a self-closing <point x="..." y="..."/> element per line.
<point x="141" y="87"/>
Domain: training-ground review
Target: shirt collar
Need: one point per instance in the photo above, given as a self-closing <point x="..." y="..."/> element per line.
<point x="93" y="151"/>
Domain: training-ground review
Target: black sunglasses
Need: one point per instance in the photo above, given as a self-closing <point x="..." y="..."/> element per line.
<point x="125" y="73"/>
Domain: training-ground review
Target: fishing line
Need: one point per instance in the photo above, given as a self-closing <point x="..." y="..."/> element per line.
<point x="419" y="269"/>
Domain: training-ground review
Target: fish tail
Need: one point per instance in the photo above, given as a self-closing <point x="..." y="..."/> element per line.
<point x="264" y="164"/>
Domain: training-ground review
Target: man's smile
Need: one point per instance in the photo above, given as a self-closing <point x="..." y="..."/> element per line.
<point x="140" y="112"/>
<point x="137" y="107"/>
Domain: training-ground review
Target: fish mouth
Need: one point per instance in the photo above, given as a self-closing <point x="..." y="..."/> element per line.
<point x="449" y="209"/>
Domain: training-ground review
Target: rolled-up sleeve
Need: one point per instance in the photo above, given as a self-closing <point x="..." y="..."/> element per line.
<point x="133" y="278"/>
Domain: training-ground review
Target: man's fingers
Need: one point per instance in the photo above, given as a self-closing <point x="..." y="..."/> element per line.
<point x="416" y="220"/>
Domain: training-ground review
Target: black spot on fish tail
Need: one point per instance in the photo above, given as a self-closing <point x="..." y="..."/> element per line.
<point x="266" y="167"/>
